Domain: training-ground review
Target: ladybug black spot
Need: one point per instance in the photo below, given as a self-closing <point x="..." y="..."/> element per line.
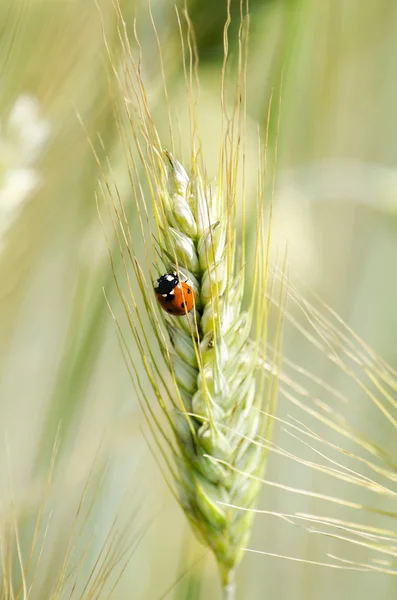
<point x="183" y="305"/>
<point x="188" y="291"/>
<point x="170" y="310"/>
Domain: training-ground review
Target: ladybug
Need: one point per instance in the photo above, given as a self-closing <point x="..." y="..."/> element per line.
<point x="176" y="297"/>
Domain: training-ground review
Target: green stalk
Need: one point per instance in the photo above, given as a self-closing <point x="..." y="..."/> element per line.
<point x="229" y="588"/>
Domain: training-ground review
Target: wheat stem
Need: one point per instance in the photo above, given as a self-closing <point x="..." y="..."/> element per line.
<point x="229" y="588"/>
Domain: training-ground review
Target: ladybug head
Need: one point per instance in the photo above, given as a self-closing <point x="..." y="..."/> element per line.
<point x="166" y="283"/>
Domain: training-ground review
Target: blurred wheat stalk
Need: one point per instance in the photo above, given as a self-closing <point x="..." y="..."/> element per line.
<point x="52" y="542"/>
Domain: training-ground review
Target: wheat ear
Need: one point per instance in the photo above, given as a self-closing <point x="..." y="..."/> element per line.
<point x="216" y="384"/>
<point x="222" y="392"/>
<point x="215" y="367"/>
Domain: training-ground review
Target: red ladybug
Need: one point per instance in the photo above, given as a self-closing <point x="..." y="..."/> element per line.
<point x="176" y="297"/>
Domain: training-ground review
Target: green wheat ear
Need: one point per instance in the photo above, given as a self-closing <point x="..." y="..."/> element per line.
<point x="215" y="365"/>
<point x="222" y="396"/>
<point x="215" y="394"/>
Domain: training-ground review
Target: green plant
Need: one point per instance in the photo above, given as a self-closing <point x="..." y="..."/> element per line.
<point x="213" y="383"/>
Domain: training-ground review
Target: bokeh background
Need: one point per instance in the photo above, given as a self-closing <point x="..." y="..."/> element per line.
<point x="62" y="375"/>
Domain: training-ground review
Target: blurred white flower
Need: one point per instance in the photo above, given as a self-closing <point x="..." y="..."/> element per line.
<point x="22" y="137"/>
<point x="28" y="130"/>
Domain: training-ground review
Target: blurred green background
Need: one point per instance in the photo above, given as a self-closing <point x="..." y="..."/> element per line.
<point x="60" y="364"/>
